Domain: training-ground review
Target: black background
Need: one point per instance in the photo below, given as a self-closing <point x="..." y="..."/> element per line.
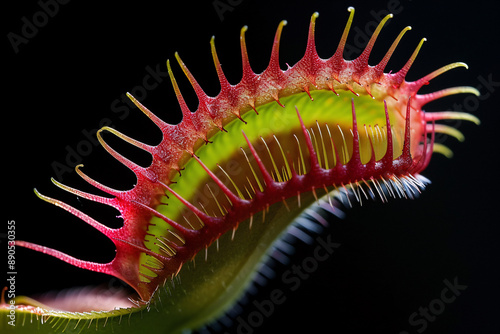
<point x="394" y="257"/>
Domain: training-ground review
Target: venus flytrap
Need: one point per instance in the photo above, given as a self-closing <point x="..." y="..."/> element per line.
<point x="348" y="129"/>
